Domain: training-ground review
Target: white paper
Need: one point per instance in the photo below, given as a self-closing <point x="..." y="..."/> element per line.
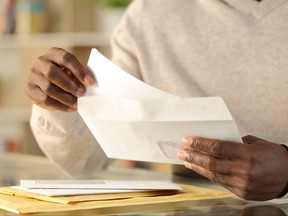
<point x="135" y="130"/>
<point x="101" y="184"/>
<point x="134" y="121"/>
<point x="70" y="192"/>
<point x="113" y="81"/>
<point x="77" y="187"/>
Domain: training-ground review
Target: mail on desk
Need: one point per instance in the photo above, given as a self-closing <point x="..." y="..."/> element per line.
<point x="134" y="121"/>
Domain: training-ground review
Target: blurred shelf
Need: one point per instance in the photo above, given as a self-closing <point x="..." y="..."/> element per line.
<point x="75" y="39"/>
<point x="14" y="115"/>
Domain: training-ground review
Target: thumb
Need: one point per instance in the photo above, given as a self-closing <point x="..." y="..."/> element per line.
<point x="250" y="139"/>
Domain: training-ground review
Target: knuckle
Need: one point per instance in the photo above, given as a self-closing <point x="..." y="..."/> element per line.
<point x="67" y="58"/>
<point x="47" y="87"/>
<point x="215" y="147"/>
<point x="210" y="165"/>
<point x="44" y="99"/>
<point x="197" y="143"/>
<point x="68" y="99"/>
<point x="50" y="72"/>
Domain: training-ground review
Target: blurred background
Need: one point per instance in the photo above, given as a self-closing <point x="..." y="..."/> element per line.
<point x="28" y="28"/>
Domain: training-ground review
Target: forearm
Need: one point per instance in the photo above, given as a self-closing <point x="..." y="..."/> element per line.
<point x="66" y="141"/>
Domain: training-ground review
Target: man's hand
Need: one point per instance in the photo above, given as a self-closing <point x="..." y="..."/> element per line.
<point x="255" y="170"/>
<point x="57" y="79"/>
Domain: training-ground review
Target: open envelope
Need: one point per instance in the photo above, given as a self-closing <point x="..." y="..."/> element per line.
<point x="151" y="130"/>
<point x="134" y="121"/>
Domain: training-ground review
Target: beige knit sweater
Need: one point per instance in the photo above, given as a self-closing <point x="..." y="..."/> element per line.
<point x="237" y="49"/>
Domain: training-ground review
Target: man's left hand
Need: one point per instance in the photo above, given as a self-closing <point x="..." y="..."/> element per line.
<point x="254" y="170"/>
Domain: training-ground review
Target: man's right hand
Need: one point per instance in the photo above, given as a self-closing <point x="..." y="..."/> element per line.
<point x="57" y="79"/>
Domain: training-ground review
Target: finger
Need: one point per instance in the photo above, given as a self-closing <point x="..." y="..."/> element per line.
<point x="230" y="182"/>
<point x="214" y="147"/>
<point x="56" y="75"/>
<point x="208" y="162"/>
<point x="67" y="60"/>
<point x="44" y="101"/>
<point x="250" y="139"/>
<point x="214" y="177"/>
<point x="227" y="181"/>
<point x="61" y="96"/>
<point x="53" y="91"/>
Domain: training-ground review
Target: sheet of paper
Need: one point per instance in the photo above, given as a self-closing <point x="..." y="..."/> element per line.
<point x="81" y="187"/>
<point x="69" y="192"/>
<point x="113" y="81"/>
<point x="101" y="184"/>
<point x="134" y="121"/>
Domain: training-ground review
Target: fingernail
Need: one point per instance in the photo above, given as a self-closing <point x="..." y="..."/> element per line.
<point x="81" y="90"/>
<point x="183" y="155"/>
<point x="89" y="80"/>
<point x="75" y="106"/>
<point x="187" y="141"/>
<point x="71" y="109"/>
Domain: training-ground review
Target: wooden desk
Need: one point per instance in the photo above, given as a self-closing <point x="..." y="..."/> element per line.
<point x="14" y="167"/>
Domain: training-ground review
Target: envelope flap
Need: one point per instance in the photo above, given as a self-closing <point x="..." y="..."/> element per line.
<point x="171" y="109"/>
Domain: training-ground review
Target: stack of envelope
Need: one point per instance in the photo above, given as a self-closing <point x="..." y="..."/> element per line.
<point x="26" y="199"/>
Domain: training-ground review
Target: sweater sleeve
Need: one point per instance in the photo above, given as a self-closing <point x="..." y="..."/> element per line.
<point x="65" y="139"/>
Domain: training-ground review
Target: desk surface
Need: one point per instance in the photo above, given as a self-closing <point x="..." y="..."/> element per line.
<point x="14" y="167"/>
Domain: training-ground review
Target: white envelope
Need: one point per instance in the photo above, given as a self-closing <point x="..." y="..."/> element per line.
<point x="82" y="187"/>
<point x="152" y="130"/>
<point x="135" y="121"/>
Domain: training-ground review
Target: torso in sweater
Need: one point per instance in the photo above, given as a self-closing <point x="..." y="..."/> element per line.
<point x="237" y="49"/>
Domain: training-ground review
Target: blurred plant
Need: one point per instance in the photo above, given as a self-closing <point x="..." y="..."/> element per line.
<point x="111" y="3"/>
